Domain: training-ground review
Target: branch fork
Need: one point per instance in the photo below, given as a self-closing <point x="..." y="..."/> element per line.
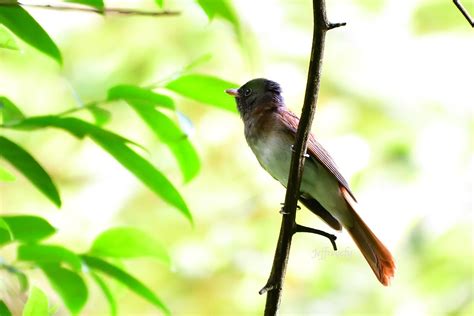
<point x="274" y="283"/>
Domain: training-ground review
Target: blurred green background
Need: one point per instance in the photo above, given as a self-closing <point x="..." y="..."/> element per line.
<point x="395" y="111"/>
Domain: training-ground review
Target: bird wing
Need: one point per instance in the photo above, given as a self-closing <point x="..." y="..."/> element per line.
<point x="314" y="206"/>
<point x="316" y="151"/>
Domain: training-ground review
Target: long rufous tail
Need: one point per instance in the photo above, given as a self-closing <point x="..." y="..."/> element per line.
<point x="376" y="254"/>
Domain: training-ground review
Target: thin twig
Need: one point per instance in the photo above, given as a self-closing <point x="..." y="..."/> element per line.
<point x="273" y="288"/>
<point x="464" y="12"/>
<point x="304" y="229"/>
<point x="119" y="11"/>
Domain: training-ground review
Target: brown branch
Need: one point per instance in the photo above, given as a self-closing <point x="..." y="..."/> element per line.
<point x="304" y="229"/>
<point x="273" y="288"/>
<point x="119" y="11"/>
<point x="464" y="12"/>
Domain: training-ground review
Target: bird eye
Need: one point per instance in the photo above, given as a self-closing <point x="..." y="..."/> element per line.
<point x="247" y="92"/>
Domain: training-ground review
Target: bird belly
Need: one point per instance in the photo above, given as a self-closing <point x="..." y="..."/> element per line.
<point x="274" y="155"/>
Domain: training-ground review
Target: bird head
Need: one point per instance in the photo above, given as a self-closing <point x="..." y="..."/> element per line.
<point x="256" y="93"/>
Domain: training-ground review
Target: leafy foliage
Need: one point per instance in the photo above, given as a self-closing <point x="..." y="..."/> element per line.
<point x="110" y="244"/>
<point x="205" y="89"/>
<point x="30" y="168"/>
<point x="22" y="24"/>
<point x="98" y="4"/>
<point x="129" y="281"/>
<point x="26" y="228"/>
<point x="6" y="176"/>
<point x="68" y="284"/>
<point x="101" y="116"/>
<point x="116" y="146"/>
<point x="4" y="311"/>
<point x="169" y="133"/>
<point x="131" y="93"/>
<point x="37" y="304"/>
<point x="159" y="3"/>
<point x="5" y="231"/>
<point x="69" y="281"/>
<point x="66" y="270"/>
<point x="7" y="40"/>
<point x="222" y="9"/>
<point x="10" y="111"/>
<point x="107" y="293"/>
<point x="48" y="254"/>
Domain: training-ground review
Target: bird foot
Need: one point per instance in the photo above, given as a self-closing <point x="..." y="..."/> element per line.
<point x="283" y="207"/>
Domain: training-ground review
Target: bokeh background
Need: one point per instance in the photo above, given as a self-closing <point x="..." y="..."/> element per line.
<point x="395" y="111"/>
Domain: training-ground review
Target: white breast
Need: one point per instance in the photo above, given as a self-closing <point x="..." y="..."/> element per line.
<point x="274" y="155"/>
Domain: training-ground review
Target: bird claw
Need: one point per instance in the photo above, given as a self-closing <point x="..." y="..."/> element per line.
<point x="283" y="207"/>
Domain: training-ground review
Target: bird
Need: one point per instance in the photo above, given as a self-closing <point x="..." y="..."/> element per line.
<point x="270" y="131"/>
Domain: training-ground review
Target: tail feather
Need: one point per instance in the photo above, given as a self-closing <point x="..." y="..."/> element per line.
<point x="376" y="254"/>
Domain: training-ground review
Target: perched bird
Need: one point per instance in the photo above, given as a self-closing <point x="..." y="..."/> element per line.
<point x="270" y="131"/>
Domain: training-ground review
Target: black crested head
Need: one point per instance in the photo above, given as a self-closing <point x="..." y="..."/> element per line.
<point x="272" y="86"/>
<point x="255" y="93"/>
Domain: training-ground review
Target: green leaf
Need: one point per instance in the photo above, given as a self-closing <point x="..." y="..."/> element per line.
<point x="7" y="40"/>
<point x="48" y="254"/>
<point x="108" y="294"/>
<point x="10" y="111"/>
<point x="134" y="93"/>
<point x="6" y="234"/>
<point x="127" y="242"/>
<point x="22" y="280"/>
<point x="159" y="3"/>
<point x="142" y="169"/>
<point x="101" y="116"/>
<point x="126" y="279"/>
<point x="37" y="304"/>
<point x="4" y="311"/>
<point x="169" y="132"/>
<point x="205" y="89"/>
<point x="98" y="4"/>
<point x="6" y="176"/>
<point x="116" y="146"/>
<point x="20" y="22"/>
<point x="28" y="228"/>
<point x="30" y="168"/>
<point x="20" y="275"/>
<point x="76" y="127"/>
<point x="68" y="284"/>
<point x="220" y="8"/>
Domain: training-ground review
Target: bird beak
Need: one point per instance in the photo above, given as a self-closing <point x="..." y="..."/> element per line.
<point x="232" y="92"/>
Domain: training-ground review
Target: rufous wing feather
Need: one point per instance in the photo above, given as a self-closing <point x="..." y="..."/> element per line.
<point x="376" y="254"/>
